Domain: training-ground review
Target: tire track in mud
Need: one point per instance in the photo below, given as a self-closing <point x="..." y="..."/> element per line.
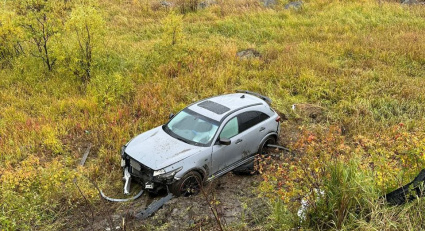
<point x="234" y="195"/>
<point x="236" y="198"/>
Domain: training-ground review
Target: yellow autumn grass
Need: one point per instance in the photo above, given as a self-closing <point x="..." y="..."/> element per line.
<point x="361" y="60"/>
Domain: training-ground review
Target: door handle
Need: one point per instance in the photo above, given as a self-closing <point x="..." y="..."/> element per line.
<point x="238" y="141"/>
<point x="262" y="129"/>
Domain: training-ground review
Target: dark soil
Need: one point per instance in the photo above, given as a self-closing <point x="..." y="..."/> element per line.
<point x="234" y="197"/>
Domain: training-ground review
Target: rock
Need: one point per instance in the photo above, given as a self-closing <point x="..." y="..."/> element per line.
<point x="116" y="217"/>
<point x="175" y="212"/>
<point x="409" y="2"/>
<point x="412" y="2"/>
<point x="269" y="3"/>
<point x="206" y="3"/>
<point x="294" y="5"/>
<point x="166" y="4"/>
<point x="202" y="5"/>
<point x="314" y="112"/>
<point x="248" y="54"/>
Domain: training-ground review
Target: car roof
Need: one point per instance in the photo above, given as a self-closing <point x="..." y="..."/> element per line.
<point x="218" y="107"/>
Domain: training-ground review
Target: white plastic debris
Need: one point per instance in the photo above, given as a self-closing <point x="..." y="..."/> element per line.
<point x="302" y="211"/>
<point x="127" y="178"/>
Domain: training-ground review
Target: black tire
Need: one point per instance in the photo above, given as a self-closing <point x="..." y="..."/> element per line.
<point x="263" y="146"/>
<point x="189" y="185"/>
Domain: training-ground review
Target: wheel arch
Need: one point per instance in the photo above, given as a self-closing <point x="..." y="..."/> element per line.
<point x="201" y="171"/>
<point x="271" y="134"/>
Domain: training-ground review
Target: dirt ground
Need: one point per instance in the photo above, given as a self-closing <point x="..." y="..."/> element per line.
<point x="234" y="197"/>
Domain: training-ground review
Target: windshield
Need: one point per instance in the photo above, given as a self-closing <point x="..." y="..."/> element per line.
<point x="192" y="127"/>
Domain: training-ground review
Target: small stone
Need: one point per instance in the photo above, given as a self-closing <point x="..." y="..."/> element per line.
<point x="206" y="3"/>
<point x="248" y="53"/>
<point x="314" y="112"/>
<point x="269" y="3"/>
<point x="412" y="2"/>
<point x="294" y="5"/>
<point x="175" y="212"/>
<point x="166" y="4"/>
<point x="409" y="2"/>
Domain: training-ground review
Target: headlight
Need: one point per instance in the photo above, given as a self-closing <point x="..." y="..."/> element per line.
<point x="158" y="172"/>
<point x="162" y="174"/>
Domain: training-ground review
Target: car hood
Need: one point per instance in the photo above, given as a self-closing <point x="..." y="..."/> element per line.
<point x="156" y="149"/>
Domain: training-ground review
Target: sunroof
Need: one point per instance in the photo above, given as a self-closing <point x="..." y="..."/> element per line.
<point x="214" y="107"/>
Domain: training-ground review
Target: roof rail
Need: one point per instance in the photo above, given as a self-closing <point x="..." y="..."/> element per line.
<point x="265" y="98"/>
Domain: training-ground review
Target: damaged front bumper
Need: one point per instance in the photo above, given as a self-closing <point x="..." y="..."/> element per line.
<point x="152" y="180"/>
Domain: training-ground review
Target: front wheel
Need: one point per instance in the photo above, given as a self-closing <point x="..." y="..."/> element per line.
<point x="189" y="185"/>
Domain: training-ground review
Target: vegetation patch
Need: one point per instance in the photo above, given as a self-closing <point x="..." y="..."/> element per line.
<point x="98" y="72"/>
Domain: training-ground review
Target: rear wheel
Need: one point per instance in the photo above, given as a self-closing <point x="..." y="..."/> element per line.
<point x="263" y="147"/>
<point x="263" y="150"/>
<point x="189" y="185"/>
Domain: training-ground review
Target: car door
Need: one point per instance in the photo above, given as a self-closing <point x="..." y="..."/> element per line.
<point x="245" y="132"/>
<point x="226" y="155"/>
<point x="252" y="131"/>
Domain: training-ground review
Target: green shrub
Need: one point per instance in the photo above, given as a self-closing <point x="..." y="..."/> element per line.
<point x="173" y="29"/>
<point x="111" y="89"/>
<point x="86" y="28"/>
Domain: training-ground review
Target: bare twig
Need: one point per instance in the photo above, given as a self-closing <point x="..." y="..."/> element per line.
<point x="212" y="206"/>
<point x="87" y="202"/>
<point x="110" y="220"/>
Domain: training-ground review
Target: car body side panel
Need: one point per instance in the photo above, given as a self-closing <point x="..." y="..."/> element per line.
<point x="252" y="137"/>
<point x="244" y="144"/>
<point x="225" y="155"/>
<point x="200" y="162"/>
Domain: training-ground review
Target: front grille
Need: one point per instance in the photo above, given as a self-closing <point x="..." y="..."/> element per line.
<point x="140" y="171"/>
<point x="135" y="165"/>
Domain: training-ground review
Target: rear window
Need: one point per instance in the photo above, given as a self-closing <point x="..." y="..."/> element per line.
<point x="249" y="119"/>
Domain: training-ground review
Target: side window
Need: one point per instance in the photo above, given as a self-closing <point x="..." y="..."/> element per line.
<point x="230" y="129"/>
<point x="250" y="118"/>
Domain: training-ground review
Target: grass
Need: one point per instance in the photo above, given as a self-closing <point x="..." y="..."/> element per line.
<point x="363" y="62"/>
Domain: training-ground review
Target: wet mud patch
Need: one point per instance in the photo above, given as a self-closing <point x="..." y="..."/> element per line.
<point x="234" y="196"/>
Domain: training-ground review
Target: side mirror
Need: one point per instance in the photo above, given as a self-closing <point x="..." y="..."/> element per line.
<point x="224" y="141"/>
<point x="171" y="116"/>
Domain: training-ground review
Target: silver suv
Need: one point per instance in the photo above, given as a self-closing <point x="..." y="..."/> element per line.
<point x="203" y="141"/>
